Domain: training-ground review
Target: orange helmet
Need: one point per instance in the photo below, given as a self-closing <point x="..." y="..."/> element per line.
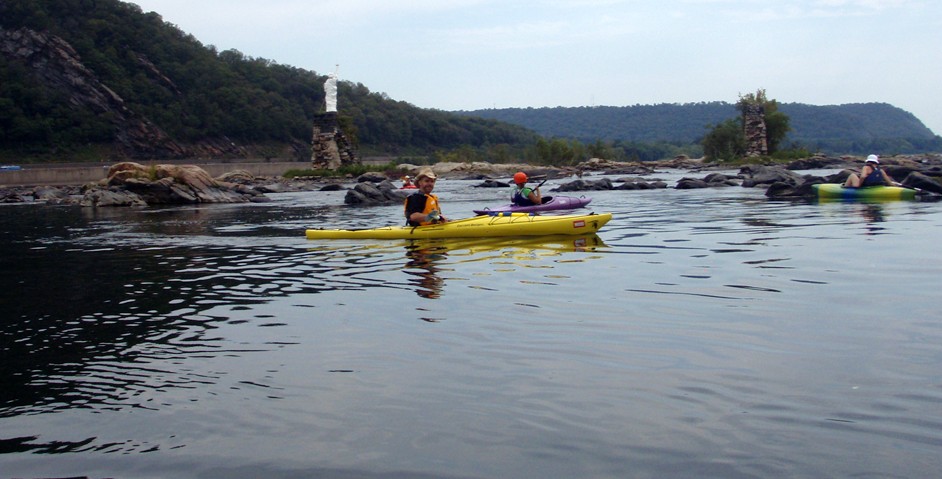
<point x="520" y="177"/>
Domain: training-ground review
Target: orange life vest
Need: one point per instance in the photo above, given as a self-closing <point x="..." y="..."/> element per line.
<point x="431" y="203"/>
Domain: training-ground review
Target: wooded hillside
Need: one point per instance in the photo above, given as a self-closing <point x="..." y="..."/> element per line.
<point x="851" y="128"/>
<point x="100" y="76"/>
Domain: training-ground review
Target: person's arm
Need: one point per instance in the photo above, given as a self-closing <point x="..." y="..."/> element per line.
<point x="418" y="217"/>
<point x="888" y="179"/>
<point x="535" y="196"/>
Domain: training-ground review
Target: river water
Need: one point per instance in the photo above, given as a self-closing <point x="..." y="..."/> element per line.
<point x="701" y="333"/>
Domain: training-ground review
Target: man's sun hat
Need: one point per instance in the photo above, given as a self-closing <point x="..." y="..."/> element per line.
<point x="425" y="173"/>
<point x="873" y="159"/>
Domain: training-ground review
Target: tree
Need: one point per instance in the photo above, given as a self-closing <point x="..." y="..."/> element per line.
<point x="724" y="141"/>
<point x="776" y="127"/>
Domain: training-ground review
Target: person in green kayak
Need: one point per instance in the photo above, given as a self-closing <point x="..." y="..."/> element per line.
<point x="523" y="195"/>
<point x="421" y="207"/>
<point x="870" y="175"/>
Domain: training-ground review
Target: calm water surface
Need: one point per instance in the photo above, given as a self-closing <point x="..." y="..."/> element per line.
<point x="705" y="333"/>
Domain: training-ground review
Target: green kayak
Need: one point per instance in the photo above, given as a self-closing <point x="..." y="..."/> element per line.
<point x="880" y="193"/>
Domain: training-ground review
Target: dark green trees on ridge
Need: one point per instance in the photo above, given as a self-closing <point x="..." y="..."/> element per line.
<point x="194" y="93"/>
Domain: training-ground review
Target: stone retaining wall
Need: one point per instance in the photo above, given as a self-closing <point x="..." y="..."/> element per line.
<point x="79" y="175"/>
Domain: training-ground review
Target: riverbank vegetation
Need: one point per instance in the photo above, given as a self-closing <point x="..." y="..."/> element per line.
<point x="343" y="171"/>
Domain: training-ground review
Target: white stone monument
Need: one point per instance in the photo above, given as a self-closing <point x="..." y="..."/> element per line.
<point x="330" y="89"/>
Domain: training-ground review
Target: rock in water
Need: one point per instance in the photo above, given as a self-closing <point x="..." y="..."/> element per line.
<point x="164" y="184"/>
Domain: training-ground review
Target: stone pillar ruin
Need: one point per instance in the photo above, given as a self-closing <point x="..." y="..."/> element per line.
<point x="754" y="130"/>
<point x="330" y="147"/>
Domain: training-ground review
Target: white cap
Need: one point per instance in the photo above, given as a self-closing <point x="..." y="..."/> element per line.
<point x="873" y="159"/>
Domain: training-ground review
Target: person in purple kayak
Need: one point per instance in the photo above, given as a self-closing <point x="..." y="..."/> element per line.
<point x="523" y="195"/>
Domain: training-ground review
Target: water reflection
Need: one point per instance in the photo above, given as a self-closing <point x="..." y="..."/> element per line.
<point x="550" y="243"/>
<point x="873" y="215"/>
<point x="423" y="261"/>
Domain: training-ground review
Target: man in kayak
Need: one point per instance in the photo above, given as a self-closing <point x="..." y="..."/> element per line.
<point x="871" y="174"/>
<point x="421" y="207"/>
<point x="522" y="195"/>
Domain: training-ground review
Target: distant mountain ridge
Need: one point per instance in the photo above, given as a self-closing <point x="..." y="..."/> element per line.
<point x="836" y="126"/>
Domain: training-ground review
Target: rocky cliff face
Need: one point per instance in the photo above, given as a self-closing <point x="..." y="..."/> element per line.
<point x="55" y="63"/>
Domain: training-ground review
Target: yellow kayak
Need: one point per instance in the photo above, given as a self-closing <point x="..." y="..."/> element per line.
<point x="485" y="226"/>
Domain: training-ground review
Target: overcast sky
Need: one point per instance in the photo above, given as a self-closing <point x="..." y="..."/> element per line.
<point x="475" y="54"/>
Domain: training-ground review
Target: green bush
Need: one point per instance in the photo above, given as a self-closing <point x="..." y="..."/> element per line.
<point x="346" y="170"/>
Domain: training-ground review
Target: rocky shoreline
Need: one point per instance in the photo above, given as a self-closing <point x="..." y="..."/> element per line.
<point x="133" y="184"/>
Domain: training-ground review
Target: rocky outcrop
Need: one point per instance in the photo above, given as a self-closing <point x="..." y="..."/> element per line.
<point x="642" y="185"/>
<point x="133" y="184"/>
<point x="923" y="182"/>
<point x="756" y="175"/>
<point x="793" y="190"/>
<point x="51" y="195"/>
<point x="711" y="180"/>
<point x="13" y="196"/>
<point x="480" y="170"/>
<point x="819" y="162"/>
<point x="371" y="177"/>
<point x="100" y="197"/>
<point x="56" y="64"/>
<point x="489" y="183"/>
<point x="587" y="185"/>
<point x="368" y="194"/>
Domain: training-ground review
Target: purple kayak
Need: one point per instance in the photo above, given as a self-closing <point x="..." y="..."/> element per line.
<point x="550" y="203"/>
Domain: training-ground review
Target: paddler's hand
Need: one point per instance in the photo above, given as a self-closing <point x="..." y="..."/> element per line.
<point x="433" y="216"/>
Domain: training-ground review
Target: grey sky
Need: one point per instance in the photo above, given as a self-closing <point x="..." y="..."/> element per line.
<point x="474" y="54"/>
